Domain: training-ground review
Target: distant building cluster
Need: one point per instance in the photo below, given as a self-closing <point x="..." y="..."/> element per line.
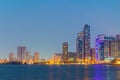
<point x="24" y="57"/>
<point x="107" y="49"/>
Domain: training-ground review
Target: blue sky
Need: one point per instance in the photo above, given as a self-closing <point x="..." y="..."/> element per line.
<point x="43" y="25"/>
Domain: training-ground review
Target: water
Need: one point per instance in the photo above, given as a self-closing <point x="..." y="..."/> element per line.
<point x="57" y="72"/>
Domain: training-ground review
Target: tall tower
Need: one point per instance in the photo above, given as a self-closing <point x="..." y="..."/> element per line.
<point x="86" y="42"/>
<point x="36" y="57"/>
<point x="79" y="45"/>
<point x="11" y="57"/>
<point x="21" y="53"/>
<point x="65" y="51"/>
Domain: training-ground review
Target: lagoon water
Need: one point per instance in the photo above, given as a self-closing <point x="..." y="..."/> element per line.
<point x="59" y="72"/>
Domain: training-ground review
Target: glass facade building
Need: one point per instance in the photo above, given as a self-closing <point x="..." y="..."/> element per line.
<point x="104" y="46"/>
<point x="83" y="44"/>
<point x="65" y="51"/>
<point x="79" y="45"/>
<point x="21" y="53"/>
<point x="86" y="42"/>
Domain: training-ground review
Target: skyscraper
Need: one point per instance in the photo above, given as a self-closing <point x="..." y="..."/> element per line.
<point x="11" y="57"/>
<point x="104" y="46"/>
<point x="86" y="42"/>
<point x="36" y="57"/>
<point x="115" y="47"/>
<point x="21" y="53"/>
<point x="65" y="51"/>
<point x="79" y="45"/>
<point x="83" y="45"/>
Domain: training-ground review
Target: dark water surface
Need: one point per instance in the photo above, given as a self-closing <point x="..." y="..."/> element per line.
<point x="57" y="72"/>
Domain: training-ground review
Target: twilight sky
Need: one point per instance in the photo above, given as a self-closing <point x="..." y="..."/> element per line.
<point x="43" y="25"/>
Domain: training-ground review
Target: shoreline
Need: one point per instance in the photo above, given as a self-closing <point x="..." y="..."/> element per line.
<point x="59" y="64"/>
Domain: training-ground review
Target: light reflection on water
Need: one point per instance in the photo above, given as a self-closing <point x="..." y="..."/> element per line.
<point x="59" y="72"/>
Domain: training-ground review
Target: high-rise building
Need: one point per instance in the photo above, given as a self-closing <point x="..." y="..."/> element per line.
<point x="79" y="45"/>
<point x="36" y="57"/>
<point x="65" y="51"/>
<point x="100" y="47"/>
<point x="103" y="46"/>
<point x="21" y="53"/>
<point x="11" y="57"/>
<point x="115" y="48"/>
<point x="27" y="56"/>
<point x="86" y="42"/>
<point x="83" y="45"/>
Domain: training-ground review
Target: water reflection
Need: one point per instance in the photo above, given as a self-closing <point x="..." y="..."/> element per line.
<point x="51" y="77"/>
<point x="84" y="72"/>
<point x="117" y="73"/>
<point x="78" y="76"/>
<point x="59" y="72"/>
<point x="108" y="72"/>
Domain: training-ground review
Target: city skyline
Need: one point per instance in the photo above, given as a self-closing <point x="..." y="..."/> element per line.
<point x="43" y="28"/>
